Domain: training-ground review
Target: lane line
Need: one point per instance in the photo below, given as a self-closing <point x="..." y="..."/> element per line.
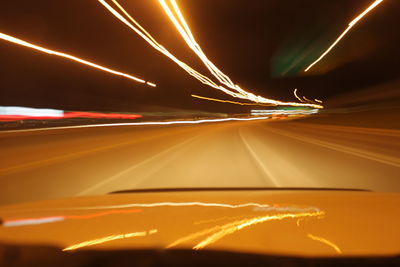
<point x="393" y="161"/>
<point x="137" y="165"/>
<point x="259" y="162"/>
<point x="352" y="129"/>
<point x="44" y="162"/>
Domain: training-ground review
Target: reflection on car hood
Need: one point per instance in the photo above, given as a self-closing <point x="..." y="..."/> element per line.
<point x="307" y="223"/>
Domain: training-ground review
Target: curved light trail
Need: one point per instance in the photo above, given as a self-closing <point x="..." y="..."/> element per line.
<point x="180" y="23"/>
<point x="326" y="242"/>
<point x="17" y="41"/>
<point x="178" y="20"/>
<point x="351" y="25"/>
<point x="297" y="96"/>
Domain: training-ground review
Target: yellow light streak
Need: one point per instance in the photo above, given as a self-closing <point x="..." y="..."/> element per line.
<point x="70" y="57"/>
<point x="306" y="99"/>
<point x="350" y="26"/>
<point x="326" y="242"/>
<point x="295" y="94"/>
<point x="218" y="219"/>
<point x="129" y="21"/>
<point x="218" y="232"/>
<point x="237" y="226"/>
<point x="231" y="102"/>
<point x="317" y="100"/>
<point x="109" y="238"/>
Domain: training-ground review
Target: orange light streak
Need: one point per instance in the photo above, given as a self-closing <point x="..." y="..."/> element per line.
<point x="129" y="21"/>
<point x="109" y="238"/>
<point x="326" y="242"/>
<point x="350" y="26"/>
<point x="70" y="57"/>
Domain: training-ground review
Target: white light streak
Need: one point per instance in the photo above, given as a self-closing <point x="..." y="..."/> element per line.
<point x="351" y="25"/>
<point x="70" y="57"/>
<point x="139" y="124"/>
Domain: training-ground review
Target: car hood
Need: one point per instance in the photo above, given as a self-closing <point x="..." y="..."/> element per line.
<point x="306" y="223"/>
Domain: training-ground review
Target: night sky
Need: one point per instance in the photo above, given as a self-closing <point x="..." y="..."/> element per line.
<point x="262" y="45"/>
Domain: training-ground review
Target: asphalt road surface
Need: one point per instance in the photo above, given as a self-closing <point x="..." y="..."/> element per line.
<point x="46" y="164"/>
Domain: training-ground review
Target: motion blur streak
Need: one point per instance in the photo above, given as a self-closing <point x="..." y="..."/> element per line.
<point x="297" y="96"/>
<point x="109" y="239"/>
<point x="231" y="102"/>
<point x="138" y="29"/>
<point x="42" y="220"/>
<point x="183" y="204"/>
<point x="218" y="232"/>
<point x="317" y="100"/>
<point x="64" y="55"/>
<point x="239" y="225"/>
<point x="25" y="113"/>
<point x="351" y="24"/>
<point x="325" y="241"/>
<point x="286" y="112"/>
<point x="306" y="99"/>
<point x="140" y="124"/>
<point x="181" y="25"/>
<point x="32" y="112"/>
<point x="32" y="221"/>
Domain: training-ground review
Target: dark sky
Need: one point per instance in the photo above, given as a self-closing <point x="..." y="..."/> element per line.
<point x="262" y="45"/>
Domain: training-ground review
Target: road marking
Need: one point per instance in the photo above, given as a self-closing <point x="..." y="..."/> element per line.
<point x="44" y="162"/>
<point x="362" y="130"/>
<point x="137" y="165"/>
<point x="393" y="161"/>
<point x="259" y="162"/>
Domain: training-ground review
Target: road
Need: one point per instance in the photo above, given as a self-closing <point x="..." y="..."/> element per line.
<point x="46" y="164"/>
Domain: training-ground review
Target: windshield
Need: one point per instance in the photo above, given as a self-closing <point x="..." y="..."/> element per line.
<point x="220" y="102"/>
<point x="102" y="96"/>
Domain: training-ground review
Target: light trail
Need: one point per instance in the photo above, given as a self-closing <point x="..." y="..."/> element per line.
<point x="350" y="26"/>
<point x="181" y="25"/>
<point x="236" y="91"/>
<point x="308" y="100"/>
<point x="326" y="242"/>
<point x="70" y="57"/>
<point x="218" y="232"/>
<point x="296" y="95"/>
<point x="152" y="123"/>
<point x="256" y="206"/>
<point x="305" y="99"/>
<point x="231" y="102"/>
<point x="58" y="218"/>
<point x="26" y="113"/>
<point x="138" y="29"/>
<point x="109" y="238"/>
<point x="284" y="112"/>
